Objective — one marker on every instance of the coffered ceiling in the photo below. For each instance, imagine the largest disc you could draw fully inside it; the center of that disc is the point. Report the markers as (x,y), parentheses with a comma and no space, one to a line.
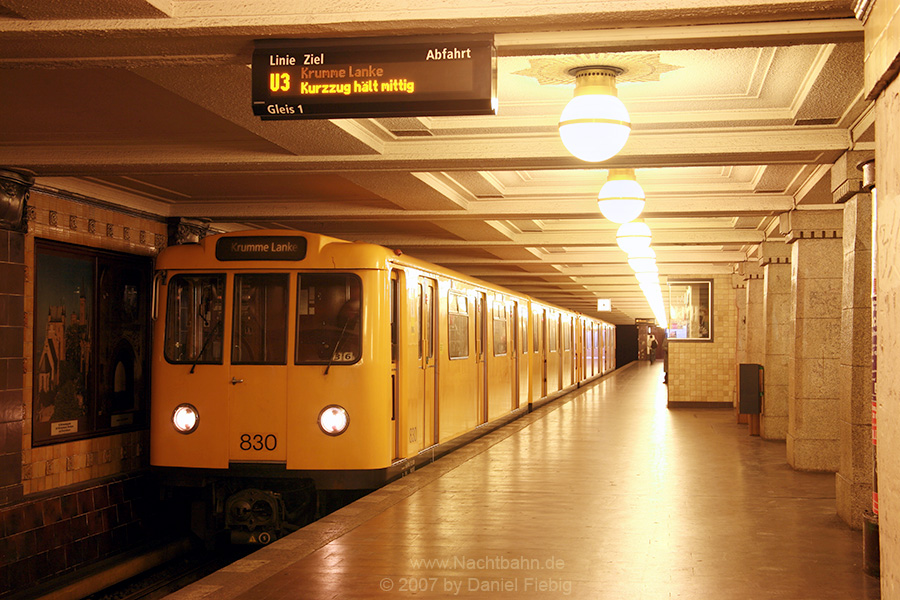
(739,110)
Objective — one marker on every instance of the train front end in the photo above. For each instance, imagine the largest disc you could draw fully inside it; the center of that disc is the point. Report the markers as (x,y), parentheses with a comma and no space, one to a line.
(271,377)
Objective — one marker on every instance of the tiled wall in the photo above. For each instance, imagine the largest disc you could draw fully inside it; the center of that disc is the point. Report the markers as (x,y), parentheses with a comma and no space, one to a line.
(12,332)
(65,504)
(49,467)
(52,535)
(706,371)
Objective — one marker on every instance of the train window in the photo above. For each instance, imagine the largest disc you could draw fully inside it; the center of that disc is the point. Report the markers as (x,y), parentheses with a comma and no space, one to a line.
(479,326)
(458,318)
(395,299)
(552,333)
(500,329)
(194,319)
(419,313)
(328,319)
(523,331)
(536,329)
(259,331)
(428,320)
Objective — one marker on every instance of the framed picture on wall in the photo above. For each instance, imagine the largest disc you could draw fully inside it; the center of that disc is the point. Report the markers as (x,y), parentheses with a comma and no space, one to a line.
(91,342)
(690,310)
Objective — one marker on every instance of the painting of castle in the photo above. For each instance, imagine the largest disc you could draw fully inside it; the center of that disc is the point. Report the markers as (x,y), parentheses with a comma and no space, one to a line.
(63,344)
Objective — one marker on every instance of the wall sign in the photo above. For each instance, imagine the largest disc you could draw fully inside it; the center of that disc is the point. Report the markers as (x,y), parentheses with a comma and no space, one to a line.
(376,77)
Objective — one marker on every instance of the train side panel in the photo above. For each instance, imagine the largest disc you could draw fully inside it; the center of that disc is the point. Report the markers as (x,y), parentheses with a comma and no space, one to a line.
(458,396)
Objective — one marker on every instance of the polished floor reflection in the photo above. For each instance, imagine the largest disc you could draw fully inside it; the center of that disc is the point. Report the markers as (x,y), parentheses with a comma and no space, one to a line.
(604,494)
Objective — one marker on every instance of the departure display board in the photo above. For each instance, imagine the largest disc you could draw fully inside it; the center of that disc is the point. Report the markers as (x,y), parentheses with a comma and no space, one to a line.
(384,77)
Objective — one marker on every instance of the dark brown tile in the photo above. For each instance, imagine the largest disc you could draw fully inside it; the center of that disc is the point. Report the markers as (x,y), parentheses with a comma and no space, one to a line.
(79,527)
(14,310)
(95,522)
(52,509)
(56,560)
(12,278)
(11,437)
(16,247)
(25,544)
(11,406)
(15,373)
(101,497)
(10,469)
(12,340)
(68,506)
(85,501)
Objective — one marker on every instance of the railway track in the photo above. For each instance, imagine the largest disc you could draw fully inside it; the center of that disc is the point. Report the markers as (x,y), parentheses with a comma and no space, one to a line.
(172,575)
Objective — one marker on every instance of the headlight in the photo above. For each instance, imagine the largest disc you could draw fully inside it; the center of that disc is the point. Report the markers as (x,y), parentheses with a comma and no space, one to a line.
(185,418)
(334,420)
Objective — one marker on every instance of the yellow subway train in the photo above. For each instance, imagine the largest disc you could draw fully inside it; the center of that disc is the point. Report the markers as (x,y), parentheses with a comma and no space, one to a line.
(287,363)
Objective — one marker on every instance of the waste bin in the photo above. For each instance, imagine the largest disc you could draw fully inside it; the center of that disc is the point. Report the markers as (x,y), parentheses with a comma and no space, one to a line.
(750,393)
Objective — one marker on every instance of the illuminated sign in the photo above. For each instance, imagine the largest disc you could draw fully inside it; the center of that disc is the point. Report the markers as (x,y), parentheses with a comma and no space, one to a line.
(388,77)
(256,247)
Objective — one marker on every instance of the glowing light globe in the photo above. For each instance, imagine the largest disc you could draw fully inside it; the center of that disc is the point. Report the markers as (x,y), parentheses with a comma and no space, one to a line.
(633,236)
(621,199)
(595,124)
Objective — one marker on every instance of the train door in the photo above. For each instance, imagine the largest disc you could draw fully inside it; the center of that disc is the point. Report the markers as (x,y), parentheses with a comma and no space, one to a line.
(395,364)
(258,391)
(522,356)
(513,328)
(427,345)
(480,359)
(537,379)
(545,355)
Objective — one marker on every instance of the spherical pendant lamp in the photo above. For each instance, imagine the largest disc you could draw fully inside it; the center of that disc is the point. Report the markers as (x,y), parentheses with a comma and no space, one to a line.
(621,199)
(595,124)
(643,261)
(633,236)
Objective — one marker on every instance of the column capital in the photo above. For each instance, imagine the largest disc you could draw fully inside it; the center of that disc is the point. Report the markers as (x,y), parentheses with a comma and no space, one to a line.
(15,187)
(749,270)
(812,224)
(775,252)
(846,177)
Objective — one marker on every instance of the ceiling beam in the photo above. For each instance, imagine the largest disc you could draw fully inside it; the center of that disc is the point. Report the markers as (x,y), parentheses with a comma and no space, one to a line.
(741,205)
(671,237)
(728,35)
(750,146)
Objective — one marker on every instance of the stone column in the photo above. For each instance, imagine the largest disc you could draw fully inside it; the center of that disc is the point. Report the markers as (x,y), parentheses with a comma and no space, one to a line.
(882,84)
(755,348)
(853,482)
(775,259)
(813,383)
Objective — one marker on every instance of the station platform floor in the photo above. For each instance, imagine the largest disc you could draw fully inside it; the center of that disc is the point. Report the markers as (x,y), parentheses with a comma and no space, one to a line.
(602,494)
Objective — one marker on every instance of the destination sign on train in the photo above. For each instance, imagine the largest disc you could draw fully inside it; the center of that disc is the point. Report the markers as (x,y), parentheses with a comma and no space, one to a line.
(282,247)
(384,77)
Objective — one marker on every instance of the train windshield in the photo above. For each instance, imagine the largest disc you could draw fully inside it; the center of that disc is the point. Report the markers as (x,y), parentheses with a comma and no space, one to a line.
(328,318)
(260,319)
(194,325)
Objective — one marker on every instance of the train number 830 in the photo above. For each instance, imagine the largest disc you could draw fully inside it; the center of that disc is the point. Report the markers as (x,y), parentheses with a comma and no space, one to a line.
(258,441)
